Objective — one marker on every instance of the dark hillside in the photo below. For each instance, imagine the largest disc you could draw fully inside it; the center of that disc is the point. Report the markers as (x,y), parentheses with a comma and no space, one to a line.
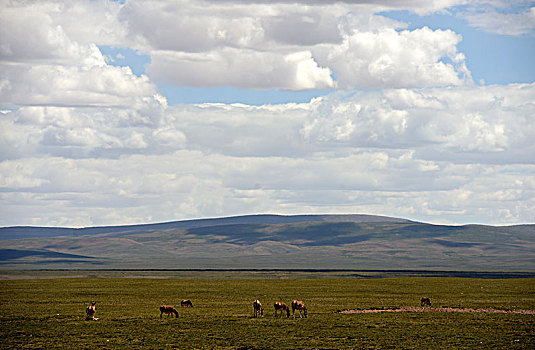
(33,232)
(271,241)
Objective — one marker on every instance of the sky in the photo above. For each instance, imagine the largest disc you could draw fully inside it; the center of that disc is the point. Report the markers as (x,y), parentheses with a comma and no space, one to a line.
(126,112)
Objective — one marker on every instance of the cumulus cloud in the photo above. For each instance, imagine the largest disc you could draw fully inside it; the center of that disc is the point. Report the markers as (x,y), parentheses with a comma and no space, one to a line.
(85,20)
(41,65)
(205,43)
(188,184)
(243,69)
(389,58)
(457,122)
(434,154)
(96,85)
(81,132)
(290,46)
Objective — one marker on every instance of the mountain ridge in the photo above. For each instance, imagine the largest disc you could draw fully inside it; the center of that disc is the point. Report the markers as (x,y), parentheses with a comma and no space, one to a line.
(274,241)
(253,218)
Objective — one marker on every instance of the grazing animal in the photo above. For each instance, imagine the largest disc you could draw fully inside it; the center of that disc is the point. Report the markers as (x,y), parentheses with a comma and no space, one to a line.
(186,303)
(281,307)
(258,309)
(300,306)
(90,313)
(168,309)
(425,301)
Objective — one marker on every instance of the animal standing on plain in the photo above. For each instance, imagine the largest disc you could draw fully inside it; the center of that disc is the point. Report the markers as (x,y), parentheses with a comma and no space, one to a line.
(425,301)
(168,309)
(90,313)
(186,303)
(279,306)
(258,310)
(300,306)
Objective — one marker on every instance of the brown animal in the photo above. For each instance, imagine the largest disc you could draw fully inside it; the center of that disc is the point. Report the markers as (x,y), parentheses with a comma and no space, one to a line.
(300,306)
(168,309)
(279,306)
(186,303)
(90,313)
(425,301)
(257,309)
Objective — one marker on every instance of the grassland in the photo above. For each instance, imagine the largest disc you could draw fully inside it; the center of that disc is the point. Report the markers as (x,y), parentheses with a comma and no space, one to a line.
(49,313)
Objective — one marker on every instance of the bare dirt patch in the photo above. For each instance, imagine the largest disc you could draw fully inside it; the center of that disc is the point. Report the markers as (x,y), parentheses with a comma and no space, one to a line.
(437,309)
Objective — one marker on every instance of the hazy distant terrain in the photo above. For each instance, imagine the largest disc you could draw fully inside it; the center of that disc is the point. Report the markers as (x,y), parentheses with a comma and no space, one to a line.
(272,241)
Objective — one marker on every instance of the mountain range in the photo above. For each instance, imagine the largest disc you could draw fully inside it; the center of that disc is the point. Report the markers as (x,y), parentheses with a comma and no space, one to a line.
(273,241)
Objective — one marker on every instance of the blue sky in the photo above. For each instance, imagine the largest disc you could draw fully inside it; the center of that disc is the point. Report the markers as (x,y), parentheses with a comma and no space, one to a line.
(143,111)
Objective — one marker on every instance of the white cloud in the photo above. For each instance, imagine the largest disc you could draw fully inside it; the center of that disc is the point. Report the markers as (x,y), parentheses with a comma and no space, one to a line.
(41,65)
(57,29)
(55,21)
(459,121)
(190,184)
(430,154)
(74,85)
(290,46)
(493,21)
(99,145)
(79,132)
(388,58)
(418,6)
(204,43)
(240,68)
(191,26)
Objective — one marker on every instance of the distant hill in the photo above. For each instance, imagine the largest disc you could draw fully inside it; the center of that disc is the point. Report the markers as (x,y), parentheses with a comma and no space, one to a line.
(273,241)
(16,232)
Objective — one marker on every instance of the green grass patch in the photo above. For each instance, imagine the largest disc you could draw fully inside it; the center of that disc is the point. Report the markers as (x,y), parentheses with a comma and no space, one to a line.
(49,313)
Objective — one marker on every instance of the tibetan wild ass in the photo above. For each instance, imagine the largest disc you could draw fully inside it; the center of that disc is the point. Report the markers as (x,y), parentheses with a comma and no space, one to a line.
(258,310)
(299,305)
(186,303)
(90,313)
(425,301)
(281,307)
(168,309)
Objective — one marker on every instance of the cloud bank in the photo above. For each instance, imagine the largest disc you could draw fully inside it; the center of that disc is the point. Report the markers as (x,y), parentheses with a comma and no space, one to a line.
(427,153)
(404,131)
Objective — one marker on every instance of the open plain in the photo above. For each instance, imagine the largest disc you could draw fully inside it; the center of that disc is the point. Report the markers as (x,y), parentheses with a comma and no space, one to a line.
(50,312)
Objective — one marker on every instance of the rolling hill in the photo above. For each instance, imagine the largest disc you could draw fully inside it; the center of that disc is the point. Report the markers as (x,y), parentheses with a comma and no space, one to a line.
(273,241)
